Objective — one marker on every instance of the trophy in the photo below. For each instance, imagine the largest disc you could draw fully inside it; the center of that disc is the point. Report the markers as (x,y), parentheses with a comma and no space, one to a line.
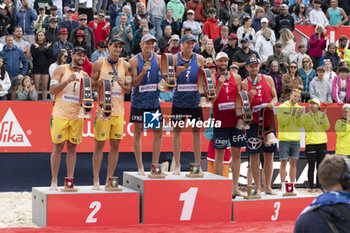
(168,71)
(243,110)
(289,190)
(252,192)
(86,100)
(195,170)
(205,87)
(113,184)
(105,100)
(156,171)
(69,185)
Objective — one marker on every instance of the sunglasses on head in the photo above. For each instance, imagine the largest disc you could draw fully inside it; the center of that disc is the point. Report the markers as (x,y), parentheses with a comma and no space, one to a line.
(297,90)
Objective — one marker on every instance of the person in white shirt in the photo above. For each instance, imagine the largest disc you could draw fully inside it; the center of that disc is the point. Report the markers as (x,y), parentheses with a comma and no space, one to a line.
(5,82)
(246,31)
(264,24)
(329,74)
(299,56)
(317,16)
(264,46)
(288,44)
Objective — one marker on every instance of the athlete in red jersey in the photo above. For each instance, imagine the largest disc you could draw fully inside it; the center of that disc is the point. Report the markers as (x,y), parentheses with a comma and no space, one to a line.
(227,86)
(262,94)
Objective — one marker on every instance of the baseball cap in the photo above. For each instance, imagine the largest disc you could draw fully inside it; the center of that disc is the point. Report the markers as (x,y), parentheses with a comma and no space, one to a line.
(278,43)
(148,37)
(232,36)
(41,8)
(175,37)
(245,40)
(314,100)
(102,44)
(116,40)
(252,60)
(239,1)
(80,33)
(234,66)
(63,31)
(78,49)
(190,12)
(264,20)
(53,19)
(221,55)
(211,65)
(284,6)
(187,28)
(278,2)
(70,9)
(53,8)
(188,37)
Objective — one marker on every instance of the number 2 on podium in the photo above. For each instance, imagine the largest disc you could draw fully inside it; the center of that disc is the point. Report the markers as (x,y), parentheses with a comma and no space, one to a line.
(96,206)
(189,199)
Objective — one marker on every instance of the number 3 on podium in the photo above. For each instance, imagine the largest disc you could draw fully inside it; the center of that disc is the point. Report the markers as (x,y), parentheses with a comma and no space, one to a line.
(189,199)
(277,205)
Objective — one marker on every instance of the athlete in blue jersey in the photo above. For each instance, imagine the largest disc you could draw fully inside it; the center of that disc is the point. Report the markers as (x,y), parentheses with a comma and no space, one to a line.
(145,96)
(186,97)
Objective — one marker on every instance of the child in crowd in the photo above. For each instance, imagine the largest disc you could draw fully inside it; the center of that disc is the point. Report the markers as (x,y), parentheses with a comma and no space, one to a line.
(341,86)
(26,90)
(329,74)
(302,53)
(331,55)
(317,16)
(320,88)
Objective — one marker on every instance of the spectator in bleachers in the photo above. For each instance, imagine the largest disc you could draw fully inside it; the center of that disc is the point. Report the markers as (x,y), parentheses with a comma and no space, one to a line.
(158,10)
(208,4)
(100,52)
(208,52)
(307,74)
(283,20)
(136,48)
(320,88)
(222,41)
(317,16)
(45,4)
(113,11)
(101,5)
(26,90)
(212,26)
(169,20)
(231,47)
(143,14)
(79,39)
(276,75)
(126,9)
(16,63)
(343,52)
(10,12)
(264,46)
(288,44)
(66,5)
(278,56)
(331,55)
(5,22)
(18,4)
(203,39)
(276,9)
(174,46)
(100,27)
(317,42)
(5,82)
(341,64)
(226,12)
(57,4)
(310,8)
(268,13)
(341,86)
(68,22)
(336,15)
(293,4)
(240,11)
(38,24)
(51,32)
(264,25)
(256,23)
(235,25)
(250,7)
(25,18)
(164,41)
(247,32)
(299,56)
(139,32)
(178,9)
(300,16)
(87,7)
(198,8)
(329,74)
(54,14)
(290,81)
(89,33)
(192,24)
(61,59)
(41,53)
(62,43)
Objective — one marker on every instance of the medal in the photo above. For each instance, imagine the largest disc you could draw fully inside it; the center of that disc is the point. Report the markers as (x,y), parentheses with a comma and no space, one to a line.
(186,65)
(253,88)
(148,63)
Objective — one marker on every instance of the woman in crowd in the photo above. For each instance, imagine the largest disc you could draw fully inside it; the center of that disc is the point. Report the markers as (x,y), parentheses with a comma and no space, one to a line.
(290,81)
(288,44)
(61,59)
(246,31)
(317,42)
(264,46)
(26,90)
(331,55)
(300,16)
(307,74)
(276,75)
(341,64)
(341,86)
(264,26)
(41,54)
(329,74)
(5,82)
(209,52)
(235,25)
(80,40)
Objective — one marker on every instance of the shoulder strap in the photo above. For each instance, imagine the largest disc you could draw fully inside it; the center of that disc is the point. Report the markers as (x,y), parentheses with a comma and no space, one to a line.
(331,225)
(345,224)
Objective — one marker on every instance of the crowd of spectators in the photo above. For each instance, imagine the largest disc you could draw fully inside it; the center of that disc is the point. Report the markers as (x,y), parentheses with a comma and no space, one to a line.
(38,35)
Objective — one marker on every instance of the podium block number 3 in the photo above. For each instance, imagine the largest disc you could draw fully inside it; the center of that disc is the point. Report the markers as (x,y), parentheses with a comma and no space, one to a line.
(189,198)
(96,206)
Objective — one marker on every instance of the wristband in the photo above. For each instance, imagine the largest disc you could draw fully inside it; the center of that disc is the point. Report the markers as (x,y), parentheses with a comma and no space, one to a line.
(54,82)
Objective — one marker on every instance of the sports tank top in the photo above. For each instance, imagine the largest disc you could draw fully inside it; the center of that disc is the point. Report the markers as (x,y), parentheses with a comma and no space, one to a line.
(335,17)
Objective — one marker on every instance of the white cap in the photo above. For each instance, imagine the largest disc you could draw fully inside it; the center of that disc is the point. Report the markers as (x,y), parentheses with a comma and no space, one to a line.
(190,12)
(174,37)
(346,106)
(221,55)
(284,6)
(264,20)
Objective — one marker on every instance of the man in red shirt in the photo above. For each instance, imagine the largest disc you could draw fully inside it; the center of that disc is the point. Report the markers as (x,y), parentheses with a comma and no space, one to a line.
(227,87)
(100,27)
(212,27)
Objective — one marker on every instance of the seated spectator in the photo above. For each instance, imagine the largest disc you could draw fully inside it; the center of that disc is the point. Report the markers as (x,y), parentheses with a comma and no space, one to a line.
(341,86)
(299,56)
(276,75)
(240,13)
(193,25)
(320,88)
(300,16)
(54,12)
(226,12)
(100,28)
(331,55)
(251,7)
(209,52)
(343,52)
(276,9)
(318,43)
(235,25)
(25,18)
(329,74)
(212,26)
(38,24)
(169,20)
(62,43)
(231,48)
(26,90)
(198,8)
(52,31)
(256,23)
(5,82)
(127,11)
(307,74)
(288,44)
(61,59)
(41,52)
(157,8)
(222,41)
(291,81)
(336,15)
(278,56)
(164,41)
(68,22)
(247,32)
(143,14)
(264,25)
(317,16)
(174,46)
(264,46)
(100,52)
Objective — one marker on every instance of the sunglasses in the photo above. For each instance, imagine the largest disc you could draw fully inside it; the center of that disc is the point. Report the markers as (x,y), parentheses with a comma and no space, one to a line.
(82,19)
(293,67)
(65,56)
(102,16)
(305,61)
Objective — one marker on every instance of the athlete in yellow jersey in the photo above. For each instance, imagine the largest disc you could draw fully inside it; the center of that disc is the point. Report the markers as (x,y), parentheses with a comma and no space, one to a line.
(118,71)
(65,124)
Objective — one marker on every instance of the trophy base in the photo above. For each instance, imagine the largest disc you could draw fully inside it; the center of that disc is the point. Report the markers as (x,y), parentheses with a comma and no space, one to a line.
(65,189)
(289,194)
(154,176)
(113,189)
(252,197)
(193,175)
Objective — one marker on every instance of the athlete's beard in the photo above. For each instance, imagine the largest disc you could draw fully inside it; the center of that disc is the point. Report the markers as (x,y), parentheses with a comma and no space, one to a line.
(222,70)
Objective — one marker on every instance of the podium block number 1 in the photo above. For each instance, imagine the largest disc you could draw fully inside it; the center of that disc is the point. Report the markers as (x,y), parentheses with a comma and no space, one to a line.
(96,206)
(189,199)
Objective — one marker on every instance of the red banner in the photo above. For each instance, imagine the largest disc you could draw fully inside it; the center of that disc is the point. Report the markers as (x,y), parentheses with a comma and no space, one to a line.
(25,127)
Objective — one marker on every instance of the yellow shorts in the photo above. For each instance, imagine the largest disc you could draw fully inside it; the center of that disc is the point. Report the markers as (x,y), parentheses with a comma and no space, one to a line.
(211,168)
(66,130)
(109,129)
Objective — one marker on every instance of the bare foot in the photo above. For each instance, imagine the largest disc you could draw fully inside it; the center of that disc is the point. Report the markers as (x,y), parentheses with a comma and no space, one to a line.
(269,191)
(311,190)
(53,187)
(96,186)
(177,171)
(237,193)
(141,172)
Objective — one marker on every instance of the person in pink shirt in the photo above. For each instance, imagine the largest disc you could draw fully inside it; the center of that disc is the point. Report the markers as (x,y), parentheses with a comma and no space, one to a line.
(318,42)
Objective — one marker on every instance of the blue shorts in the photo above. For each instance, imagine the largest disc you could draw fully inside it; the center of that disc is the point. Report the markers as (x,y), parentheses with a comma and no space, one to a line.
(255,144)
(289,149)
(222,136)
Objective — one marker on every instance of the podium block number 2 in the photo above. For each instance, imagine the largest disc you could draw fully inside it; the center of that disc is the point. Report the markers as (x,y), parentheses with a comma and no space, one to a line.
(189,199)
(96,206)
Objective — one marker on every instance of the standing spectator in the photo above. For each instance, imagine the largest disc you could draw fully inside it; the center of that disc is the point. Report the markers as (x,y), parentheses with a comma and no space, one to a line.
(212,26)
(222,41)
(336,15)
(299,56)
(341,64)
(203,39)
(126,9)
(343,52)
(276,9)
(41,53)
(318,43)
(264,47)
(307,74)
(235,25)
(288,44)
(26,90)
(282,59)
(240,12)
(61,59)
(209,52)
(143,14)
(259,14)
(342,128)
(317,16)
(89,33)
(164,41)
(62,43)
(68,22)
(226,12)
(100,52)
(87,7)
(169,20)
(113,11)
(231,48)
(341,86)
(178,9)
(21,43)
(79,39)
(283,20)
(51,33)
(331,55)
(43,4)
(329,74)
(193,25)
(25,18)
(320,88)
(268,13)
(5,82)
(38,25)
(5,22)
(292,5)
(158,10)
(9,10)
(291,81)
(174,46)
(136,48)
(54,14)
(247,32)
(276,75)
(198,8)
(124,32)
(100,27)
(16,63)
(207,5)
(264,25)
(57,4)
(250,7)
(300,16)
(101,5)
